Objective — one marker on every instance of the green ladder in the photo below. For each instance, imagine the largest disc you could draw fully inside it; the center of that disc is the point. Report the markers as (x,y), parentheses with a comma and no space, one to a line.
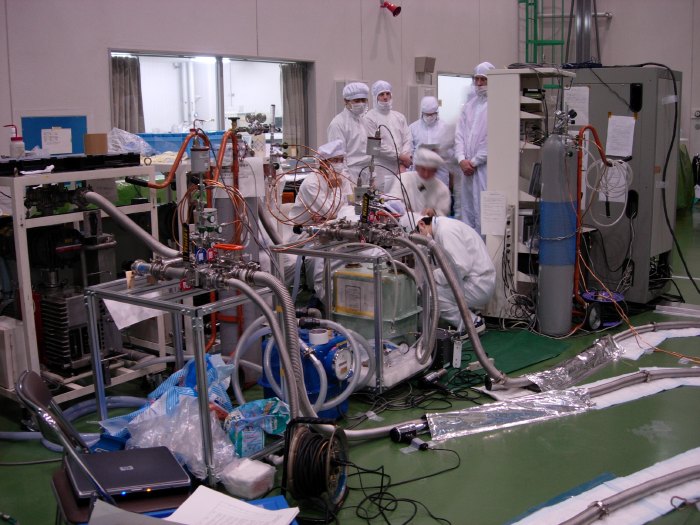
(543,31)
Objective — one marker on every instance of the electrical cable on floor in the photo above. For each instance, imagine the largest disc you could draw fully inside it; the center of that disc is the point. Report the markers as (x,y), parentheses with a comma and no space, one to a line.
(8,519)
(626,319)
(28,463)
(315,467)
(380,503)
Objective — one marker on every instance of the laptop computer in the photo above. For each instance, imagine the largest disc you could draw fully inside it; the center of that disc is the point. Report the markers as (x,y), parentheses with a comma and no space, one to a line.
(129,472)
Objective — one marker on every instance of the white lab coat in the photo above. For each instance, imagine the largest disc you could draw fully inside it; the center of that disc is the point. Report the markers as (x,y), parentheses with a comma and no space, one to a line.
(470,144)
(470,261)
(387,164)
(316,198)
(440,135)
(421,194)
(352,130)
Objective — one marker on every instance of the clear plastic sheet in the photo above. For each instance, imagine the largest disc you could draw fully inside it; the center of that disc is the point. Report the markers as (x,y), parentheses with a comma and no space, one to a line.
(121,141)
(181,432)
(603,351)
(494,416)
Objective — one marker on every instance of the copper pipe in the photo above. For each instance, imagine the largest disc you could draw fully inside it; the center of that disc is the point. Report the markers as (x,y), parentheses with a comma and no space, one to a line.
(579,176)
(176,164)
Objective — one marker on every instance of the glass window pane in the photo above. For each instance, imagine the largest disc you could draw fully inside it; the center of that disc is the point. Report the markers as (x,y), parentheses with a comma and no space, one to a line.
(177,90)
(252,87)
(452,92)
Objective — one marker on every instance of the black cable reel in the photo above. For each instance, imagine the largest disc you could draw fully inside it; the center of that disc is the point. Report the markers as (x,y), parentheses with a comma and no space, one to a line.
(315,466)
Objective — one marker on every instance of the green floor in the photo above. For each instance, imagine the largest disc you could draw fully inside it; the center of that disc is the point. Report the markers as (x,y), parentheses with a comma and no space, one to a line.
(502,473)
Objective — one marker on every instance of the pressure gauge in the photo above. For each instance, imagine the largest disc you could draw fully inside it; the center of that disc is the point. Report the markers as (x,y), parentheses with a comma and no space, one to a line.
(341,363)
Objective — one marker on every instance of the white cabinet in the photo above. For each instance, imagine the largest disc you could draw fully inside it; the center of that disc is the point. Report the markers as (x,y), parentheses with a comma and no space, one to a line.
(520,112)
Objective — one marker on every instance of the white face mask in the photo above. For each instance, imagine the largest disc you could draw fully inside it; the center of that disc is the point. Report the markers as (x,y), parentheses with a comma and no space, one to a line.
(482,91)
(358,108)
(384,106)
(338,167)
(430,119)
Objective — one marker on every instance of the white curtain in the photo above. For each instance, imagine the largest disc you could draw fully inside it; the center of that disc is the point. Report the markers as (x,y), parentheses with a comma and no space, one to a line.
(294,103)
(127,102)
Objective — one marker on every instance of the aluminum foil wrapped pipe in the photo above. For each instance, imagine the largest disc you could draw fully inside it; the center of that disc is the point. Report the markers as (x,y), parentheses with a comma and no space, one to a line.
(130,226)
(507,414)
(539,407)
(496,376)
(573,370)
(617,501)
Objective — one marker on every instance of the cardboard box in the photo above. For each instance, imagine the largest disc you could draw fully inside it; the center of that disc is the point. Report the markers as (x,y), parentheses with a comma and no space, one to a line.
(95,143)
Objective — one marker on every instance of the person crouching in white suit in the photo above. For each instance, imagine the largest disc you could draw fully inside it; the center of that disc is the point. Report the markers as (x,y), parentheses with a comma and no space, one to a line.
(471,262)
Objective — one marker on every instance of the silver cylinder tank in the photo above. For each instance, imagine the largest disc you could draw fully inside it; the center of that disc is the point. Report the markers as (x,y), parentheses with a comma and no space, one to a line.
(557,226)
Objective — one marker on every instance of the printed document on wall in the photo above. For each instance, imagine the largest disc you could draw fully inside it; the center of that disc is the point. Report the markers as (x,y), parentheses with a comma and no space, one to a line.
(493,213)
(577,98)
(620,136)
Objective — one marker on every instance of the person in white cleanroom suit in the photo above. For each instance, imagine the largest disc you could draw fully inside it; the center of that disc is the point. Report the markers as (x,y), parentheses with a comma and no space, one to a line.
(431,132)
(470,148)
(323,194)
(420,190)
(468,257)
(349,126)
(397,143)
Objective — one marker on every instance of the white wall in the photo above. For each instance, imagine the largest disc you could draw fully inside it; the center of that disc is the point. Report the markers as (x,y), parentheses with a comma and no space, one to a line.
(58,49)
(654,31)
(5,109)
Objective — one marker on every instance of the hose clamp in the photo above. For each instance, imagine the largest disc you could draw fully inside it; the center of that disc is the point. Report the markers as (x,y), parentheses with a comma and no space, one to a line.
(602,507)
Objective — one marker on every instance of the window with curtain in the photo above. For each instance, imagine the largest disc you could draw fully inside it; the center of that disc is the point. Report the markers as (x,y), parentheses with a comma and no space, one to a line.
(127,99)
(171,91)
(294,100)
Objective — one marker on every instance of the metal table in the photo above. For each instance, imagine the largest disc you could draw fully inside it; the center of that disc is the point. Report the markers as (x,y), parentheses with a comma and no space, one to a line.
(331,251)
(166,296)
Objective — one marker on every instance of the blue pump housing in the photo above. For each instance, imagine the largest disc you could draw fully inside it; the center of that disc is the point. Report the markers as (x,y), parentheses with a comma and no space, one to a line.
(326,353)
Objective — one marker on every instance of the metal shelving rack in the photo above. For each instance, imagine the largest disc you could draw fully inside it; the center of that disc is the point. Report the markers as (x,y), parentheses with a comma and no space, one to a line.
(510,164)
(16,187)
